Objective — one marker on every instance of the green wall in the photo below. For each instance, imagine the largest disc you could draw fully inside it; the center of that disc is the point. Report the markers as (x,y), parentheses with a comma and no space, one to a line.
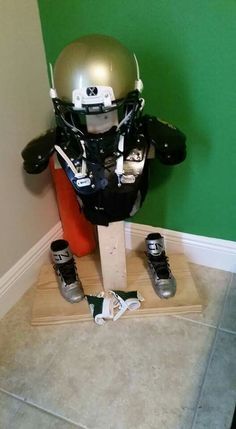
(187,56)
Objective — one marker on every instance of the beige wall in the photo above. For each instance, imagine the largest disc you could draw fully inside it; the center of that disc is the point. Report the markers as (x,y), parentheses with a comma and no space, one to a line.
(28,207)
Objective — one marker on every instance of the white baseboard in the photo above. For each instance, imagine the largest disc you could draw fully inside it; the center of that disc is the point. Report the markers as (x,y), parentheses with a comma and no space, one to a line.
(211,252)
(16,281)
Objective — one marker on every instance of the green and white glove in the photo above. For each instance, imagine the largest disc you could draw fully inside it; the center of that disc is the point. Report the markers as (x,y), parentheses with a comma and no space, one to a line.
(126,301)
(110,305)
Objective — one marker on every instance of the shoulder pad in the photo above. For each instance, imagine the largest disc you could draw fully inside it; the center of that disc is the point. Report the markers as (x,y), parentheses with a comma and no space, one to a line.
(37,152)
(169,141)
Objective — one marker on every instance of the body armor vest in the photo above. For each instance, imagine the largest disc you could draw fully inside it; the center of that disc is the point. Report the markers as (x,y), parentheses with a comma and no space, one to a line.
(109,172)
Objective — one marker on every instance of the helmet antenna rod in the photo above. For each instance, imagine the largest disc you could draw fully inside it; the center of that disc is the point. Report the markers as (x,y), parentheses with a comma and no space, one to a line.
(138,83)
(53,92)
(51,76)
(137,67)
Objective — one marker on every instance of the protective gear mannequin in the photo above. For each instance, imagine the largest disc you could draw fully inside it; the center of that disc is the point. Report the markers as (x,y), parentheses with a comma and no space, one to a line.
(102,139)
(96,96)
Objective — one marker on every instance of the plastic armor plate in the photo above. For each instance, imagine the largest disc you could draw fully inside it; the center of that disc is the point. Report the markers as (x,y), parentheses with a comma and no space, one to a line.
(38,151)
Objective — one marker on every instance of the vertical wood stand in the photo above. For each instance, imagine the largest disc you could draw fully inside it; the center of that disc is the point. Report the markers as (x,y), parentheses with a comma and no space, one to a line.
(112,255)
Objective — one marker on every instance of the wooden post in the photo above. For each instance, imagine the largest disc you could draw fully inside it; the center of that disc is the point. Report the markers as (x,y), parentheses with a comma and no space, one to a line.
(112,251)
(112,255)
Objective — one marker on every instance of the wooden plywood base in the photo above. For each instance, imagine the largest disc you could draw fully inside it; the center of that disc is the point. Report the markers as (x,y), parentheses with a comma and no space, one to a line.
(50,308)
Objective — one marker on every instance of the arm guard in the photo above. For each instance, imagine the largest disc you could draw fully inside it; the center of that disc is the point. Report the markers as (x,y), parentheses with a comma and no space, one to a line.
(169,141)
(37,152)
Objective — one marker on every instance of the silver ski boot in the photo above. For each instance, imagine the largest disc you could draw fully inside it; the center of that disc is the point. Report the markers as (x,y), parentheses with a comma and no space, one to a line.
(64,265)
(163,280)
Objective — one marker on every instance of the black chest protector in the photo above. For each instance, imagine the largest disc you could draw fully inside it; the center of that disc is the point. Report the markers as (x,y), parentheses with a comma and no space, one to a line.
(109,172)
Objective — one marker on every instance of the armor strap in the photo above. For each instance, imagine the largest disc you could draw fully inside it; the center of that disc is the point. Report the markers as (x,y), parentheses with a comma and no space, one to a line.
(120,160)
(126,168)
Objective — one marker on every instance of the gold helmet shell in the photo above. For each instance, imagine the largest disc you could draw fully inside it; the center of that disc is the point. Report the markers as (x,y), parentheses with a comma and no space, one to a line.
(95,61)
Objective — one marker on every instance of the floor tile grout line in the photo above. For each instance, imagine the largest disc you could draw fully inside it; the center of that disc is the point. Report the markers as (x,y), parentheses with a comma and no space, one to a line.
(13,415)
(227,331)
(209,360)
(38,407)
(228,292)
(208,325)
(197,322)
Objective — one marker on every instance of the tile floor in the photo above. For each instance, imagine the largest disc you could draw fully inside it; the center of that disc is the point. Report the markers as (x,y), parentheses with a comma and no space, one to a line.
(175,372)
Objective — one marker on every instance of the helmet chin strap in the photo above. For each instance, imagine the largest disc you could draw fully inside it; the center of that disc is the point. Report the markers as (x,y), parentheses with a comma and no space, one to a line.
(103,122)
(124,120)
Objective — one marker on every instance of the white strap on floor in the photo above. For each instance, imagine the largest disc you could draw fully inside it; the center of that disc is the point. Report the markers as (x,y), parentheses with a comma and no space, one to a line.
(112,301)
(129,304)
(107,311)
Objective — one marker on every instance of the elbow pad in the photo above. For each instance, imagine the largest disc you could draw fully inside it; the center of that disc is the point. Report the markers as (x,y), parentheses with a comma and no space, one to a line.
(37,152)
(169,141)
